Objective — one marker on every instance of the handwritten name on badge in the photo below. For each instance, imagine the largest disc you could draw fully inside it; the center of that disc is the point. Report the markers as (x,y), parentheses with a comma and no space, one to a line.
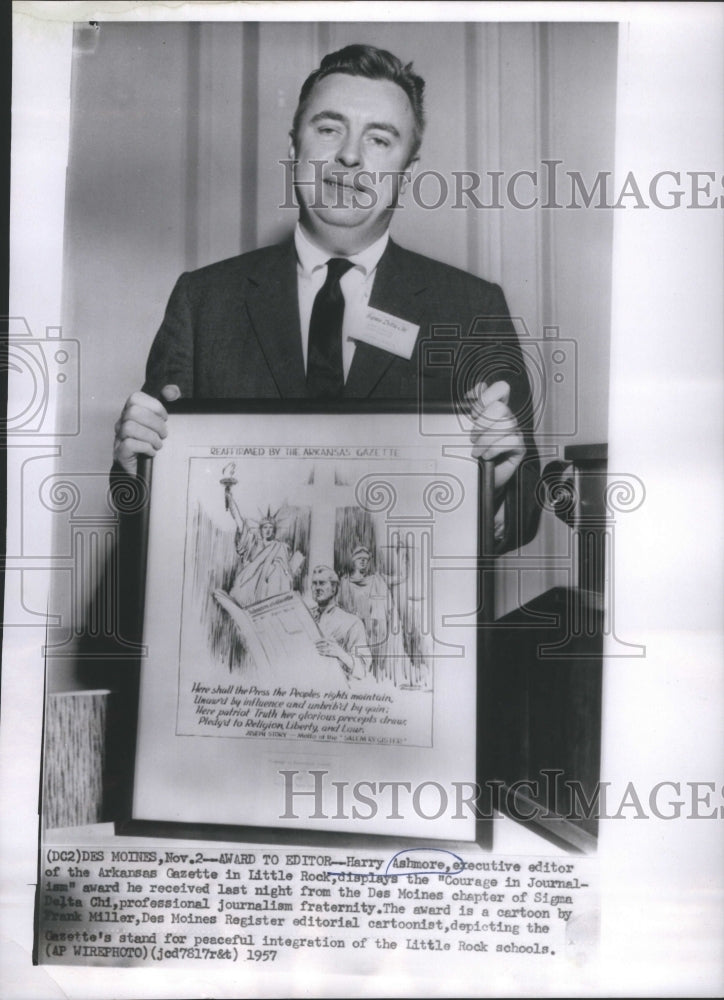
(388,332)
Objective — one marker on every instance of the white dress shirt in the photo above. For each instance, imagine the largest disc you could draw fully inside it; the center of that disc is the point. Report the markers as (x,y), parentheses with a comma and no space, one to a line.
(356,286)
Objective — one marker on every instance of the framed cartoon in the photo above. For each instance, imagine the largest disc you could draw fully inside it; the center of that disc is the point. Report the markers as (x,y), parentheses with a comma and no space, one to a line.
(313,600)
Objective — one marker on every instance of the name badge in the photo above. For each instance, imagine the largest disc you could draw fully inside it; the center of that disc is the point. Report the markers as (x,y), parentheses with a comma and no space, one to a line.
(388,332)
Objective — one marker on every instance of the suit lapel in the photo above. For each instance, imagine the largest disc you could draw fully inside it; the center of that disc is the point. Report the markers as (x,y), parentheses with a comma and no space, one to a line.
(273,308)
(272,304)
(396,290)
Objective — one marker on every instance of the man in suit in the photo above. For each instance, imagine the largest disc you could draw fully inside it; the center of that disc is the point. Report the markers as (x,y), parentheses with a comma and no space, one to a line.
(340,311)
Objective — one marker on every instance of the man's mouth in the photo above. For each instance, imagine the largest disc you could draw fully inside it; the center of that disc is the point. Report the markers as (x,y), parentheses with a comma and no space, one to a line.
(345,185)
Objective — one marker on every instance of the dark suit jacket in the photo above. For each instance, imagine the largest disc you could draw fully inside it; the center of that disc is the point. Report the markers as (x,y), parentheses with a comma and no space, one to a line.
(232,330)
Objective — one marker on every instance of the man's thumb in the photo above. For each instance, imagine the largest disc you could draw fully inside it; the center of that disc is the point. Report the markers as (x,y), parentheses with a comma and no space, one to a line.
(171,393)
(498,392)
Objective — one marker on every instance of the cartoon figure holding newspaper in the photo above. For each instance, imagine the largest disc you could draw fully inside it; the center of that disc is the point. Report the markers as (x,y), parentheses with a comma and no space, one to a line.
(343,634)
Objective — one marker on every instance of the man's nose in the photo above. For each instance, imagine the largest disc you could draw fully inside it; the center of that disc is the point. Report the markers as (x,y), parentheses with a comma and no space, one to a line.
(349,153)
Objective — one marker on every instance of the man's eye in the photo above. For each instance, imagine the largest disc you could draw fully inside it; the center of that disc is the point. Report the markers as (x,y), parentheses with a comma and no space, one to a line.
(327,130)
(379,140)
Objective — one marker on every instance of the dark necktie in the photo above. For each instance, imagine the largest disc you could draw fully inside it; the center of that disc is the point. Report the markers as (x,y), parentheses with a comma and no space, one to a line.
(325,373)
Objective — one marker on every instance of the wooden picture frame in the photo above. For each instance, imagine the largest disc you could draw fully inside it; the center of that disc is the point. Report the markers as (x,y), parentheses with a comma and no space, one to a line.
(263,712)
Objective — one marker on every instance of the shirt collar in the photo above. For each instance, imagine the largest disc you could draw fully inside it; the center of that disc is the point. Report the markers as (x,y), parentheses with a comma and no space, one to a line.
(311,257)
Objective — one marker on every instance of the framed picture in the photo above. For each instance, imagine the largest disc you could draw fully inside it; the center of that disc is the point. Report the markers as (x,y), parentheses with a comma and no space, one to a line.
(314,590)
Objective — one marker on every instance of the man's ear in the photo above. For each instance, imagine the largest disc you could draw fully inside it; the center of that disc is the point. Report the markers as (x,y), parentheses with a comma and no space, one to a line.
(292,147)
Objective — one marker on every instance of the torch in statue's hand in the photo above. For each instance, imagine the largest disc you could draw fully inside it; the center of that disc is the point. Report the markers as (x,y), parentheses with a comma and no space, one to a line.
(227,481)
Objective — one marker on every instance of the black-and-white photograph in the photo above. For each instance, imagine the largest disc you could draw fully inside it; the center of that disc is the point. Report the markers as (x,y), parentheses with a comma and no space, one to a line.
(352,142)
(346,403)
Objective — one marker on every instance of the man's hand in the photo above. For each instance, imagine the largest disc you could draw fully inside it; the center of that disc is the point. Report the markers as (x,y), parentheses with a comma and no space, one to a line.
(496,435)
(141,428)
(328,647)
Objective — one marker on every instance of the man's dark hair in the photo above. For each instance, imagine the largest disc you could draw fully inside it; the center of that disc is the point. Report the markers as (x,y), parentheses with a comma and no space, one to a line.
(375,64)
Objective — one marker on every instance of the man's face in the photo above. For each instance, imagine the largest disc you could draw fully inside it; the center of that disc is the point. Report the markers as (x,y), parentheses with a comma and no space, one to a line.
(363,132)
(361,561)
(323,587)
